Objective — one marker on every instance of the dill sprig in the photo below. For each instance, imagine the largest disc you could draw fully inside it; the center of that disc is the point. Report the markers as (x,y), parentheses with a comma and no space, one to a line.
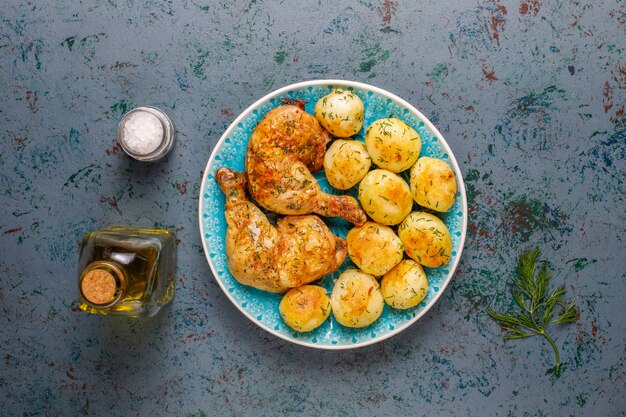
(536,304)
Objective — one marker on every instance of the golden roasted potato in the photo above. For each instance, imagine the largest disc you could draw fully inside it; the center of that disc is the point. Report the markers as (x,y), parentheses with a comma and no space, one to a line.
(340,112)
(385,197)
(405,286)
(305,308)
(433,184)
(374,248)
(426,239)
(345,163)
(356,299)
(392,144)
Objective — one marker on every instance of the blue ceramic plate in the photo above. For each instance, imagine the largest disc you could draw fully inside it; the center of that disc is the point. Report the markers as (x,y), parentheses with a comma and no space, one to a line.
(262,307)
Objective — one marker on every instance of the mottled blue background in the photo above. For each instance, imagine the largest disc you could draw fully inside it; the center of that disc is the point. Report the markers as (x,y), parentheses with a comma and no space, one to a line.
(529,94)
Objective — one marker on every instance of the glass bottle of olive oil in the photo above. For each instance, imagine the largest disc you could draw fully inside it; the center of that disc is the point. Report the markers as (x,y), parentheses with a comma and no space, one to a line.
(126,271)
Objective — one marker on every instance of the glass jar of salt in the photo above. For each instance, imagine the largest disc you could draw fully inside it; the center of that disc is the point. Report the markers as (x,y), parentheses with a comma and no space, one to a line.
(146,133)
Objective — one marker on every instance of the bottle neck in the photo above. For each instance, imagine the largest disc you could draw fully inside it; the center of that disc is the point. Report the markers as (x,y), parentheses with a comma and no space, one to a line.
(102,283)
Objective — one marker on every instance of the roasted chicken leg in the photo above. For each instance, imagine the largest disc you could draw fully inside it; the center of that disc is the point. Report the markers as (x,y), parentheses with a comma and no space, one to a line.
(285,147)
(297,251)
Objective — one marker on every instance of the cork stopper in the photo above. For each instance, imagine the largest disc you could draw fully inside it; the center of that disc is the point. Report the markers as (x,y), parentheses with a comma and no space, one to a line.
(102,283)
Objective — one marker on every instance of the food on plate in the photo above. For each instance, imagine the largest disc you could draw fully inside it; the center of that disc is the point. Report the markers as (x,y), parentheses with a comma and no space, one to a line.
(340,112)
(385,197)
(356,299)
(346,162)
(433,184)
(405,286)
(392,144)
(426,239)
(374,248)
(284,148)
(289,254)
(297,251)
(305,308)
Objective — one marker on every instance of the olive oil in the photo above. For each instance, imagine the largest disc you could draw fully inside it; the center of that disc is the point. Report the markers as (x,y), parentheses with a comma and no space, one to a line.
(126,271)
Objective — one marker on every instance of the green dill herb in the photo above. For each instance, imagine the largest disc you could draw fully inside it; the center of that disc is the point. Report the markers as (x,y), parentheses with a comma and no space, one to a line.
(536,305)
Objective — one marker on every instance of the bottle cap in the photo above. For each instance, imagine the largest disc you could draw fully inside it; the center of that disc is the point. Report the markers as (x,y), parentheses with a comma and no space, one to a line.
(102,283)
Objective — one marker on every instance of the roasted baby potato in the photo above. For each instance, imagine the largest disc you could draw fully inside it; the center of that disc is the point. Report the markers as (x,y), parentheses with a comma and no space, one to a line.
(405,286)
(426,239)
(385,197)
(340,112)
(374,248)
(305,308)
(392,144)
(346,162)
(356,299)
(433,184)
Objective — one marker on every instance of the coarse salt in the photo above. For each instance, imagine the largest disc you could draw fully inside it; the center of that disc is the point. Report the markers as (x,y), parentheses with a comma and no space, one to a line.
(143,133)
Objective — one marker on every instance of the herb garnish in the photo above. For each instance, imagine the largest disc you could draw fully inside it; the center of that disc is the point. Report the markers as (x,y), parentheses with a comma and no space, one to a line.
(537,306)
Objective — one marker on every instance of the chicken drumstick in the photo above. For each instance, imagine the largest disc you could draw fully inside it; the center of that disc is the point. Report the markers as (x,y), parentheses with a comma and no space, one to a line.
(285,147)
(299,250)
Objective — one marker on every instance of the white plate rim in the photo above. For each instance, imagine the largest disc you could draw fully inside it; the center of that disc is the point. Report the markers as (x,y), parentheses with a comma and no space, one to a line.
(387,94)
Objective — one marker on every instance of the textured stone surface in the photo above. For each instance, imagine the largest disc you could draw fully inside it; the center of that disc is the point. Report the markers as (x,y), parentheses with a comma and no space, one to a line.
(529,94)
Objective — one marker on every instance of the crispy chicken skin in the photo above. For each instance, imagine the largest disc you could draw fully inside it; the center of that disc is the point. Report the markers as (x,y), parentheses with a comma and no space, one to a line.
(285,147)
(297,251)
